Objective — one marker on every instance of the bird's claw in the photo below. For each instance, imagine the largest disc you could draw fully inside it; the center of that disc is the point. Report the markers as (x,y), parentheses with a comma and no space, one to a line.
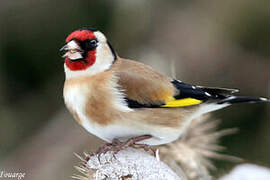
(117,146)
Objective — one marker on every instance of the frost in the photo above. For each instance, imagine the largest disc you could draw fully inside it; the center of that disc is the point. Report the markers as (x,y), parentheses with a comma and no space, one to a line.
(129,164)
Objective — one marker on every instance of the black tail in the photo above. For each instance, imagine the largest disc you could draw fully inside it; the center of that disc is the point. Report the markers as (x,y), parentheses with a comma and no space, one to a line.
(213,94)
(224,95)
(242,99)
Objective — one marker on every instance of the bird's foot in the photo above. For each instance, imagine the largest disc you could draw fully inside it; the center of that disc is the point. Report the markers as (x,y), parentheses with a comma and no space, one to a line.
(132,142)
(108,147)
(117,145)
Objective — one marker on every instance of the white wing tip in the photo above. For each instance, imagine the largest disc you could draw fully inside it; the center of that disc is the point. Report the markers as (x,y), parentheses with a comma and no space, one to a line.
(264,99)
(235,90)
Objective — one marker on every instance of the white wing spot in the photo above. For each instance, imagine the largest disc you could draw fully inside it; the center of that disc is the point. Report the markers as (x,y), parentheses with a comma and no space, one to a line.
(231,97)
(263,99)
(207,94)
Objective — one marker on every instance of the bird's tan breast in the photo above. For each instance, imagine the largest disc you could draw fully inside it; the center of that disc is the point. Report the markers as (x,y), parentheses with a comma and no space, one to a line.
(95,98)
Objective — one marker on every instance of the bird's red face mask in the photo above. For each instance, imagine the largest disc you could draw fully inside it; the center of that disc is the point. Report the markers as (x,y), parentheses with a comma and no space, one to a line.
(80,49)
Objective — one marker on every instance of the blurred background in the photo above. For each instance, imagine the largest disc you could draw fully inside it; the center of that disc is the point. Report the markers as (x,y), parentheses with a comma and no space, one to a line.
(213,43)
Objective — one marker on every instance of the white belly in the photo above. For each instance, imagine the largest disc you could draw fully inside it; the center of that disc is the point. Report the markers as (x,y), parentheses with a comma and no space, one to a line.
(124,133)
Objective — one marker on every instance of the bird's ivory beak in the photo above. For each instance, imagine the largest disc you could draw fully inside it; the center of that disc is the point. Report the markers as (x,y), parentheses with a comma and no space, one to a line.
(63,48)
(74,51)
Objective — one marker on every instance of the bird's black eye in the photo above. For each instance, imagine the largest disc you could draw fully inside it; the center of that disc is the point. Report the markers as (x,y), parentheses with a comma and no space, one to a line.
(93,42)
(89,45)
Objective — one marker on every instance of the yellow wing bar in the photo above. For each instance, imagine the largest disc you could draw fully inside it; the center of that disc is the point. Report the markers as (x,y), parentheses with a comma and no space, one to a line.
(182,102)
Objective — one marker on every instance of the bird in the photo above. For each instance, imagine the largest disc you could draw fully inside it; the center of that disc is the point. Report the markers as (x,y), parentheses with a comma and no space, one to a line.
(115,98)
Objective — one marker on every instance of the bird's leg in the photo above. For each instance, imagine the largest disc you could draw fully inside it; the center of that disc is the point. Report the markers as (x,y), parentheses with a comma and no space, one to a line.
(116,142)
(117,145)
(132,142)
(105,148)
(108,146)
(146,147)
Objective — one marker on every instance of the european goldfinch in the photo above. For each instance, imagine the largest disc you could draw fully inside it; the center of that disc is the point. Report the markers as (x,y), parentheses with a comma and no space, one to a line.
(116,98)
